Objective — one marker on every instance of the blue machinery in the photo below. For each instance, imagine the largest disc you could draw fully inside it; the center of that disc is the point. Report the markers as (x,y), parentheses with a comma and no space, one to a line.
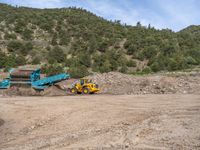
(31,77)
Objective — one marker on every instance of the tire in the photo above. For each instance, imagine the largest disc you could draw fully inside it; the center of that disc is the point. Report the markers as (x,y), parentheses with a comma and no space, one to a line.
(73,91)
(86,91)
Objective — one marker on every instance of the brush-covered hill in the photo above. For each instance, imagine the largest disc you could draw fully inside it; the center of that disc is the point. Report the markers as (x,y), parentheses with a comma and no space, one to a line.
(77,40)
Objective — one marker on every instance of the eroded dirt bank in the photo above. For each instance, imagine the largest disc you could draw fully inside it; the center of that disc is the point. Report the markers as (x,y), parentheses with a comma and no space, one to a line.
(100,121)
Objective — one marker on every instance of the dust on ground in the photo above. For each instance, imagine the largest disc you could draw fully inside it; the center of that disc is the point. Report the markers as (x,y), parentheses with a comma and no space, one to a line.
(100,122)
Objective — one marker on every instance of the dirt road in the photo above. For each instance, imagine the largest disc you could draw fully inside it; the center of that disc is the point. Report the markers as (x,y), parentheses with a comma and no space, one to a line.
(100,122)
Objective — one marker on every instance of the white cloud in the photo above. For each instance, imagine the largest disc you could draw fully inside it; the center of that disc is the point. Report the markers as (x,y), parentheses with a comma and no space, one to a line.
(174,14)
(39,3)
(113,11)
(180,13)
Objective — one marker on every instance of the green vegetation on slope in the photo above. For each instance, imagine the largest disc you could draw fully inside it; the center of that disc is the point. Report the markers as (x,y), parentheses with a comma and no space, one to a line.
(83,42)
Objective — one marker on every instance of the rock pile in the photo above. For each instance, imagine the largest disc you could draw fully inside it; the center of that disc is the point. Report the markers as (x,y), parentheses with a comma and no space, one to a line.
(118,83)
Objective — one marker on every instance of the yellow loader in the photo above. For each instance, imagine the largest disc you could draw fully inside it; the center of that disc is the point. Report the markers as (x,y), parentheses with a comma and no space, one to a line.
(84,86)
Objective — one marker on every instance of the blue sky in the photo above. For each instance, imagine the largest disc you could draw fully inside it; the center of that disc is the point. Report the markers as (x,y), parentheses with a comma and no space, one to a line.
(173,14)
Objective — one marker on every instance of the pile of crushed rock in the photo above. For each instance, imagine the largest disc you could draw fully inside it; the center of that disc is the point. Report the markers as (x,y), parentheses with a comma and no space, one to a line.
(118,83)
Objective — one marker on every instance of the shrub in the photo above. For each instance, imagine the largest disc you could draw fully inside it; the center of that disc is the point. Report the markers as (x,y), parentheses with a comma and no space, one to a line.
(106,67)
(3,59)
(28,47)
(131,63)
(64,39)
(123,69)
(15,46)
(114,64)
(147,70)
(150,52)
(156,67)
(10,62)
(169,49)
(195,53)
(172,65)
(85,59)
(54,40)
(8,36)
(131,49)
(78,71)
(176,63)
(36,60)
(27,34)
(191,61)
(56,55)
(103,46)
(20,60)
(52,69)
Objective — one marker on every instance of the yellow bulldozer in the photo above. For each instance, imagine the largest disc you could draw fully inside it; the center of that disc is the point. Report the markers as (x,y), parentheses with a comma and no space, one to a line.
(84,86)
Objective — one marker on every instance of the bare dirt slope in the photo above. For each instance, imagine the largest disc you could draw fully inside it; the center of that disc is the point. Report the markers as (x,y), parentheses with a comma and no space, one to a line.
(100,122)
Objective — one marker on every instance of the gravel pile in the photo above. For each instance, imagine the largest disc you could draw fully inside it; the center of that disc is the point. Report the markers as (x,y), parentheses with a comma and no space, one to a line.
(118,83)
(122,84)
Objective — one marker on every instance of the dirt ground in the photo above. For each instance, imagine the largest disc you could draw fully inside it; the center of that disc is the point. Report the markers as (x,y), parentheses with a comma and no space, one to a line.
(100,122)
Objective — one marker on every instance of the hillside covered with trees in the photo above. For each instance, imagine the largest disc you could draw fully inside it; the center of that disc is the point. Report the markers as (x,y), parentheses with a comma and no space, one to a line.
(82,42)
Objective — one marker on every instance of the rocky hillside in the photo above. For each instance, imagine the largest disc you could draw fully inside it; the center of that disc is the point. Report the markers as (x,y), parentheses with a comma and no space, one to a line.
(81,42)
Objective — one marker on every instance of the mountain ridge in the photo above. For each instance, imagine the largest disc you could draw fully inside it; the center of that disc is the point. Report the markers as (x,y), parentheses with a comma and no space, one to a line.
(83,42)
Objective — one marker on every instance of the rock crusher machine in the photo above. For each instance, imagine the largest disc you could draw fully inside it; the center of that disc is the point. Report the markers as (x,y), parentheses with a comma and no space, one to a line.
(32,78)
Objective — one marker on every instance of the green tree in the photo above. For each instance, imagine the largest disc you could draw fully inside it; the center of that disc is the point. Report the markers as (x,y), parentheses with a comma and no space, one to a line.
(85,59)
(64,38)
(150,52)
(106,67)
(139,25)
(56,55)
(147,70)
(36,60)
(28,47)
(156,67)
(191,61)
(54,40)
(15,46)
(131,63)
(20,60)
(50,70)
(131,49)
(3,59)
(78,71)
(124,69)
(8,36)
(27,34)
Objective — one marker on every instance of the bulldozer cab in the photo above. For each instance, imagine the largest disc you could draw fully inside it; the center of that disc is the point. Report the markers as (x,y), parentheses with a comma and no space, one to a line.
(85,81)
